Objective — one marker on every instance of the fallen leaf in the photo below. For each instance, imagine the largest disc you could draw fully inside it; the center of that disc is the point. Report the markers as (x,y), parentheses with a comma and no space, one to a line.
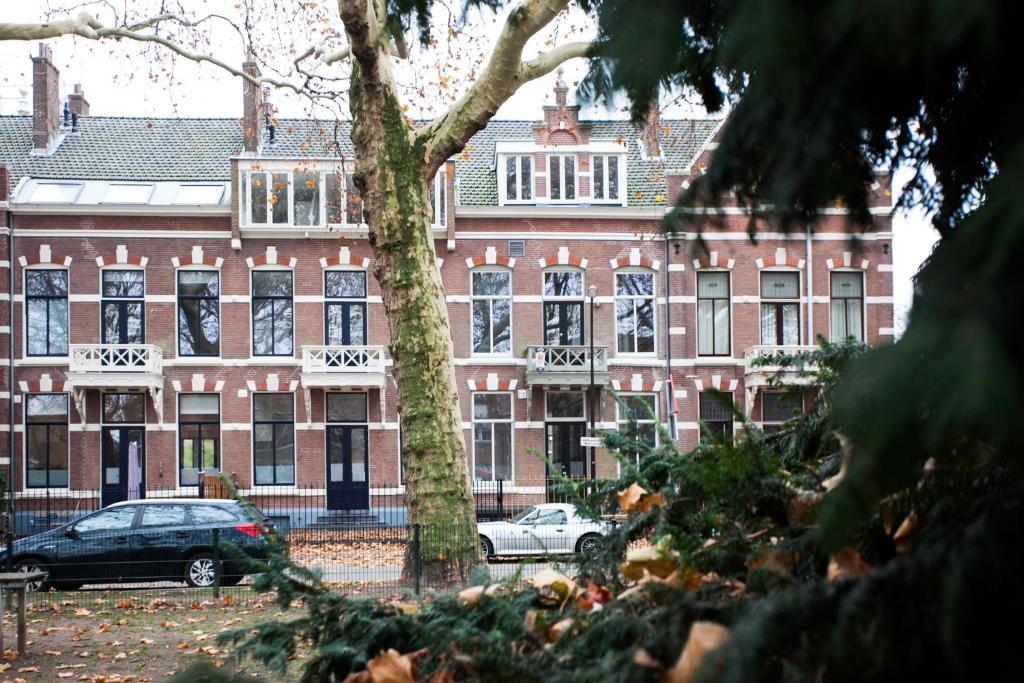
(554,584)
(704,637)
(558,629)
(847,564)
(654,559)
(392,667)
(473,594)
(629,496)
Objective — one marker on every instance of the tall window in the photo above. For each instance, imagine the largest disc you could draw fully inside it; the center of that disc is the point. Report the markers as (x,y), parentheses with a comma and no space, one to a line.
(198,313)
(847,306)
(343,204)
(605,177)
(713,314)
(198,436)
(518,178)
(46,440)
(563,307)
(492,436)
(643,410)
(268,198)
(634,312)
(780,308)
(123,307)
(715,413)
(273,437)
(46,312)
(492,311)
(272,313)
(306,195)
(561,177)
(439,198)
(345,307)
(779,406)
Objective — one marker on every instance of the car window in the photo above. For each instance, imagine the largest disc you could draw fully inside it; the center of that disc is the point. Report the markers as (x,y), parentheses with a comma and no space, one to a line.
(212,514)
(115,519)
(526,517)
(163,515)
(550,517)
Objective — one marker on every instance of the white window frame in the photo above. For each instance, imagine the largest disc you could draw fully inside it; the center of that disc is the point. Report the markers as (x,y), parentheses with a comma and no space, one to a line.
(24,444)
(731,396)
(177,435)
(439,199)
(653,297)
(792,300)
(39,358)
(620,177)
(581,298)
(491,421)
(547,414)
(621,420)
(252,328)
(501,177)
(473,298)
(245,196)
(561,177)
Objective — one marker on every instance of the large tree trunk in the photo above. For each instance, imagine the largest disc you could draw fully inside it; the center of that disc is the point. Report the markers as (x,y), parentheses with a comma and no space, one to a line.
(394,180)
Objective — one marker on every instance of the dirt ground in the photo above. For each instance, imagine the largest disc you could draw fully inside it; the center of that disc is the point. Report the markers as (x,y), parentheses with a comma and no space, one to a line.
(144,643)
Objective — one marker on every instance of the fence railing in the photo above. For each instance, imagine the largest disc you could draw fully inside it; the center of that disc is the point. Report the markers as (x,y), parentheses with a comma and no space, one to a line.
(115,358)
(565,358)
(769,351)
(340,359)
(309,508)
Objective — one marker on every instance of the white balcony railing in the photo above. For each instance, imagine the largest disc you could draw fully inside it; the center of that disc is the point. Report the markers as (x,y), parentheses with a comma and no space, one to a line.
(565,359)
(769,351)
(332,359)
(120,358)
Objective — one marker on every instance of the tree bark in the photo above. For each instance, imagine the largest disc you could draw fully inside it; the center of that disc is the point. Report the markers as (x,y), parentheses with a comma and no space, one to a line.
(394,180)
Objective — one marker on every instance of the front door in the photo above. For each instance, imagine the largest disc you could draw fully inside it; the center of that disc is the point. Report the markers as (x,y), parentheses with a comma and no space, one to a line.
(564,451)
(123,460)
(348,486)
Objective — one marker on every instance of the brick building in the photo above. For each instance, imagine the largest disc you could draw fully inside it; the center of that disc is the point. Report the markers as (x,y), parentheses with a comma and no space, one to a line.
(197,295)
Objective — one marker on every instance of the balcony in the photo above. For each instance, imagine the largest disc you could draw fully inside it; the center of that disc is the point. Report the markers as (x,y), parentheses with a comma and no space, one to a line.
(343,367)
(756,375)
(565,365)
(116,366)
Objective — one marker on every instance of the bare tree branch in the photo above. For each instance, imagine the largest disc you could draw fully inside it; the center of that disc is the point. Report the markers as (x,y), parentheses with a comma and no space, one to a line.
(503,75)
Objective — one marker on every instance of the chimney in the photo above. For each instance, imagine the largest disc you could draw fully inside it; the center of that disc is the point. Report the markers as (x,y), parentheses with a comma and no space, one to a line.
(5,179)
(77,103)
(252,110)
(45,105)
(650,139)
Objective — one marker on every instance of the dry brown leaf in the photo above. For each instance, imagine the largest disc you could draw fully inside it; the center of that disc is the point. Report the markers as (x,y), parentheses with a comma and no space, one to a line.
(473,594)
(656,560)
(392,667)
(558,629)
(800,504)
(907,531)
(553,584)
(643,658)
(704,637)
(651,501)
(629,496)
(847,564)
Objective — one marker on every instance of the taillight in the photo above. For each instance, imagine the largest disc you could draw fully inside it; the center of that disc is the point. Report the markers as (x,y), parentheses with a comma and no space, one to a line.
(248,529)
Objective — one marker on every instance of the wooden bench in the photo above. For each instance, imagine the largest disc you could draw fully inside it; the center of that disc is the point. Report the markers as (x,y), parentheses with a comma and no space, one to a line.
(17,582)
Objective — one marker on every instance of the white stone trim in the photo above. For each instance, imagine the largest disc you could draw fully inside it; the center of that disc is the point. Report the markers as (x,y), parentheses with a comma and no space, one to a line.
(45,256)
(847,262)
(714,262)
(196,259)
(272,259)
(345,259)
(274,383)
(562,259)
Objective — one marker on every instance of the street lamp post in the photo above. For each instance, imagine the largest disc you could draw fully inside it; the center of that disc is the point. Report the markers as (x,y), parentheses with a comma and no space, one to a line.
(592,291)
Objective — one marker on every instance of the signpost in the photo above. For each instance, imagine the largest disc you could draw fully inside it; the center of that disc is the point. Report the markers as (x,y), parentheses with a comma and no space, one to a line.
(590,442)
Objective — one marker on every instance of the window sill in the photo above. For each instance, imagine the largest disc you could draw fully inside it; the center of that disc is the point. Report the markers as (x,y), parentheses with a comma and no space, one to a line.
(43,360)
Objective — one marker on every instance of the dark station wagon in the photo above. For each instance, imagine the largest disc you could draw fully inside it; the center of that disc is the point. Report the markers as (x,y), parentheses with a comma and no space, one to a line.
(146,540)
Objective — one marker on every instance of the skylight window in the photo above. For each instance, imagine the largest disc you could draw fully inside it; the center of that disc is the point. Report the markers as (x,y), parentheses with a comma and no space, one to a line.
(128,194)
(199,194)
(55,193)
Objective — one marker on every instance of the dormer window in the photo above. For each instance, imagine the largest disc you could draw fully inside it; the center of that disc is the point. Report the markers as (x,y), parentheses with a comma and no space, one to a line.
(303,197)
(519,178)
(605,176)
(562,177)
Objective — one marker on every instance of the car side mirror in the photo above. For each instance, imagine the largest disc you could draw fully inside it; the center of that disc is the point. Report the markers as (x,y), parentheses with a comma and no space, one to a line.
(71,533)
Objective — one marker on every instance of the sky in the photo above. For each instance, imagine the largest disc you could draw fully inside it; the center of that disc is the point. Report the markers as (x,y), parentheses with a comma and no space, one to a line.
(118,80)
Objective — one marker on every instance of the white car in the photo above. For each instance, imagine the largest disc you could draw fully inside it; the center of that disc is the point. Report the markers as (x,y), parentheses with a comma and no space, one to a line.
(548,528)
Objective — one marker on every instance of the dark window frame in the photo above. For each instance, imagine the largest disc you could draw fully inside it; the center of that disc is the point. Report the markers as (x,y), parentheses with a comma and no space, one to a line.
(636,300)
(201,425)
(194,297)
(345,303)
(846,301)
(274,298)
(774,425)
(120,301)
(728,302)
(490,300)
(49,424)
(274,427)
(717,426)
(48,298)
(489,422)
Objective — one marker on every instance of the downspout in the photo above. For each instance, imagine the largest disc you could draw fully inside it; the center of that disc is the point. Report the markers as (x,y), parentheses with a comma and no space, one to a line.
(670,402)
(810,289)
(10,389)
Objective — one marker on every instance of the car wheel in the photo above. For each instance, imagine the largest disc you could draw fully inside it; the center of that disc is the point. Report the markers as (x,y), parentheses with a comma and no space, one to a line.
(28,566)
(589,544)
(199,571)
(486,549)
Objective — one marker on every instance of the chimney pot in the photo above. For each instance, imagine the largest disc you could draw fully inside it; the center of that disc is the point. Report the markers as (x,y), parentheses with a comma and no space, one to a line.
(45,99)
